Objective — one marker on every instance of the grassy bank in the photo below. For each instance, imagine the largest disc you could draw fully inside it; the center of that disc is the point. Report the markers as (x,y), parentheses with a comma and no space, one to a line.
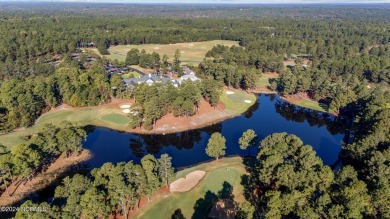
(107,116)
(235,103)
(310,105)
(192,53)
(263,86)
(132,74)
(227,170)
(111,116)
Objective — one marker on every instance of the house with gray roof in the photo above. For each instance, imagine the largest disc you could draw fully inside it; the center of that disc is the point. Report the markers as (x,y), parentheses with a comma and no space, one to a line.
(150,79)
(187,71)
(191,77)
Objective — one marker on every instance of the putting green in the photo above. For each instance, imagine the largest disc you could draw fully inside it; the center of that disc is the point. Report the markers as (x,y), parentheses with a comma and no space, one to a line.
(234,103)
(116,118)
(227,171)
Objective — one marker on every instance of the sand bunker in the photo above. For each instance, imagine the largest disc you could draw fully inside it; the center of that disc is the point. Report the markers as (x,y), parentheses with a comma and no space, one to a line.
(191,44)
(248,101)
(126,111)
(156,47)
(182,52)
(229,92)
(126,106)
(186,184)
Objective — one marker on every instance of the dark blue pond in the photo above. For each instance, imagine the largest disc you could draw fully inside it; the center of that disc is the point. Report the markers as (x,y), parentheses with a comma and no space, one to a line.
(270,114)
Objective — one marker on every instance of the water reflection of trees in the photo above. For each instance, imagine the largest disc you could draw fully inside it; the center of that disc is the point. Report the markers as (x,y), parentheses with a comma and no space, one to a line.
(181,140)
(136,147)
(299,114)
(249,113)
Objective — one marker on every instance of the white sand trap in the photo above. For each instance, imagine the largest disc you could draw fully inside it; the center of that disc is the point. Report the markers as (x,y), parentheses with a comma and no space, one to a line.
(191,44)
(126,111)
(156,47)
(182,52)
(126,106)
(229,92)
(186,184)
(248,101)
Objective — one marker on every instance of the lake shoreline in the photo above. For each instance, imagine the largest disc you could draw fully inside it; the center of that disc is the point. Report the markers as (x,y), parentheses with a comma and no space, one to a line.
(168,124)
(294,100)
(60,167)
(113,142)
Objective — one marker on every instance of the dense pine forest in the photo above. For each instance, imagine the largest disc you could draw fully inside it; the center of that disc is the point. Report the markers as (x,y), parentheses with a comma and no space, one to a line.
(341,53)
(341,59)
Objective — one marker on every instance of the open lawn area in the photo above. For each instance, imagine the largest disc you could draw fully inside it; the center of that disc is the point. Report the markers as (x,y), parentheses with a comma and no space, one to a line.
(227,170)
(116,118)
(111,116)
(131,74)
(192,53)
(292,62)
(309,104)
(264,82)
(108,116)
(235,102)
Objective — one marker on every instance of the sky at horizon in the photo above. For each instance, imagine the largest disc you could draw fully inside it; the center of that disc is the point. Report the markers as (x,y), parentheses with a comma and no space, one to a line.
(215,1)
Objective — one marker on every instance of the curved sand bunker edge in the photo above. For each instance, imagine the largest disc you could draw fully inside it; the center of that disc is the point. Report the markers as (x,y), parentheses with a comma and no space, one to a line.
(186,184)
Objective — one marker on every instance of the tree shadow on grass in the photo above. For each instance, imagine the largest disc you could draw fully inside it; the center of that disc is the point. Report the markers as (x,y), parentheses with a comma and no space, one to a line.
(249,182)
(226,192)
(203,206)
(177,214)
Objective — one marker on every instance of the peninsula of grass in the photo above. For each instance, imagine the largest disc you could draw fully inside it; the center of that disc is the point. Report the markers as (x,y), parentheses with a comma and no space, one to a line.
(310,105)
(225,170)
(235,103)
(192,53)
(112,117)
(264,87)
(107,116)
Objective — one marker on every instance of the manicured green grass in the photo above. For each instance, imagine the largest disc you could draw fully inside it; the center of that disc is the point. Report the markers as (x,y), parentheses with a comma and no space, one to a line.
(112,56)
(310,104)
(133,74)
(116,118)
(227,170)
(11,139)
(192,53)
(263,82)
(234,103)
(107,116)
(112,117)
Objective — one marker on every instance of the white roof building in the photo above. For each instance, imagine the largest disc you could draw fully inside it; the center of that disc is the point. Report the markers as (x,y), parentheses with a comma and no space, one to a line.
(191,77)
